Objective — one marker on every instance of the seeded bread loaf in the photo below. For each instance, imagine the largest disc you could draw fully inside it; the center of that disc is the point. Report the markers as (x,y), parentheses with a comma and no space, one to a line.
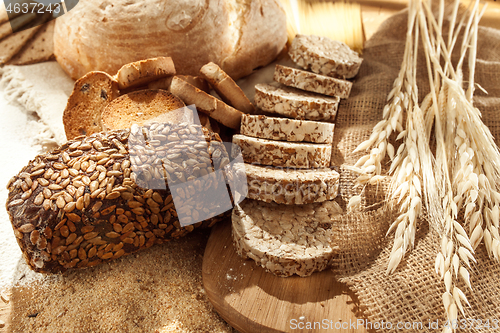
(226,88)
(282,154)
(91,94)
(142,72)
(312,82)
(324,56)
(206,103)
(142,107)
(294,103)
(285,239)
(284,129)
(289,186)
(100,197)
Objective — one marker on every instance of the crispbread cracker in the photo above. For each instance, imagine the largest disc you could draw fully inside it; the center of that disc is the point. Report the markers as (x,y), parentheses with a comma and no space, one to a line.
(38,49)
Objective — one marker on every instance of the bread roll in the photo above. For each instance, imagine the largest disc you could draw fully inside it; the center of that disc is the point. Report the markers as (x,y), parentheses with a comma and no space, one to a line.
(100,197)
(239,36)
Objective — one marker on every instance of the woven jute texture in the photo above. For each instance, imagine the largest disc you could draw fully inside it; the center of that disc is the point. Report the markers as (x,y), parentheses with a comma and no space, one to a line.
(414,292)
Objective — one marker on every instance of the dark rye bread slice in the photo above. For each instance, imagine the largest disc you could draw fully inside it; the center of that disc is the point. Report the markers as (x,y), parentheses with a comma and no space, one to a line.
(226,88)
(106,194)
(206,103)
(38,49)
(90,96)
(142,107)
(142,72)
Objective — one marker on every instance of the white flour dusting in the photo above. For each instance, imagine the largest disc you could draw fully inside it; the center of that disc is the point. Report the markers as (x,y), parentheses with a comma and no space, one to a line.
(16,150)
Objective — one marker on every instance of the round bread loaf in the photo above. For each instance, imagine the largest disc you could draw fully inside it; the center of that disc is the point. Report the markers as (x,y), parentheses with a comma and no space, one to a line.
(239,36)
(103,196)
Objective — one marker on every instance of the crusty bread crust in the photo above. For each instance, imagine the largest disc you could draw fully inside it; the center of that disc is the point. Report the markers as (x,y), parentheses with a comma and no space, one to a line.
(103,36)
(226,88)
(206,103)
(196,81)
(141,107)
(142,72)
(90,96)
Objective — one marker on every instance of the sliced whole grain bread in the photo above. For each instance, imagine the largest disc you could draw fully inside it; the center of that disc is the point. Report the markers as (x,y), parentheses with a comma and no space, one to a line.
(91,94)
(142,72)
(288,186)
(10,25)
(285,239)
(38,49)
(295,103)
(324,56)
(284,129)
(13,43)
(143,107)
(282,154)
(206,103)
(226,88)
(312,82)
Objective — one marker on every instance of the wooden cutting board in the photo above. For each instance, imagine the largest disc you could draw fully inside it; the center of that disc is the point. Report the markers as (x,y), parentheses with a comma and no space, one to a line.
(252,300)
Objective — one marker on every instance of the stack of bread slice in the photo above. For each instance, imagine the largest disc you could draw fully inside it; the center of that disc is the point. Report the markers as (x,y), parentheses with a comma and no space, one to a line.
(285,222)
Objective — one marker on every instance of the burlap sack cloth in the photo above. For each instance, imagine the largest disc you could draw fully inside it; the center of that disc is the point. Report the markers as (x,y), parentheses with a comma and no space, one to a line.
(414,292)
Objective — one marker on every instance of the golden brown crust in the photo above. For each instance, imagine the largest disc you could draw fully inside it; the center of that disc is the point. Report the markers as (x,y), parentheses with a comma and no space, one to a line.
(142,72)
(103,36)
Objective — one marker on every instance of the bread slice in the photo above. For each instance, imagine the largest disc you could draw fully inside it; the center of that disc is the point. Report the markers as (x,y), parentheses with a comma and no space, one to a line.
(142,72)
(143,107)
(196,81)
(294,103)
(290,187)
(90,96)
(325,56)
(312,82)
(206,103)
(282,154)
(284,129)
(226,88)
(40,48)
(285,239)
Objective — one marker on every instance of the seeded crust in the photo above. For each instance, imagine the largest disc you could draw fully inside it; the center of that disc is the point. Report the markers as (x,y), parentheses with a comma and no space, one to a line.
(226,88)
(289,186)
(325,56)
(283,129)
(285,239)
(91,94)
(312,82)
(294,103)
(282,154)
(142,107)
(206,103)
(103,196)
(142,72)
